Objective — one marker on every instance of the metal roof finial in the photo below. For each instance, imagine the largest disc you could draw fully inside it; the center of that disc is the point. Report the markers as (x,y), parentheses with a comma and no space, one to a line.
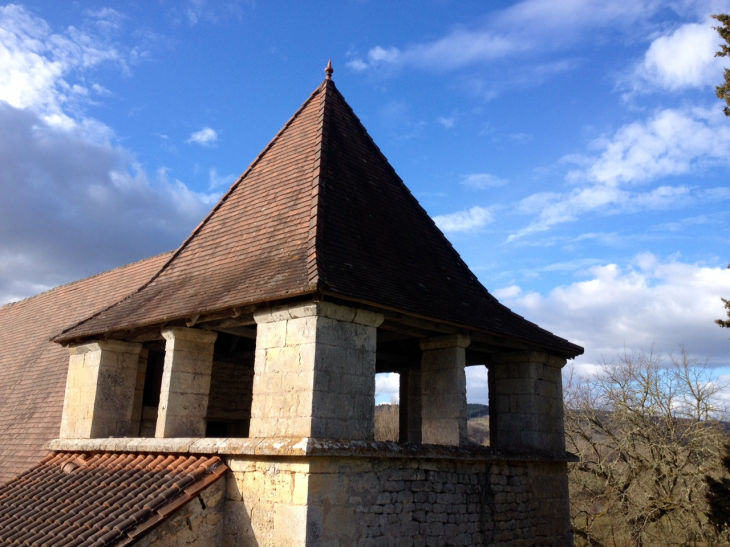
(329,70)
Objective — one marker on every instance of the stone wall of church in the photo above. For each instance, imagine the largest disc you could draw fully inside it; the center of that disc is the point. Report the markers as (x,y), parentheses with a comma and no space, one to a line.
(374,502)
(199,522)
(325,492)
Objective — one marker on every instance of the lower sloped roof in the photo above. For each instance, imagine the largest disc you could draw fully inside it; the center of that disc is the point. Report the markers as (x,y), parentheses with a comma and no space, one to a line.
(33,370)
(106,499)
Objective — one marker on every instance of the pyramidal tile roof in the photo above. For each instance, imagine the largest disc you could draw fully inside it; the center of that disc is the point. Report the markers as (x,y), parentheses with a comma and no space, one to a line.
(319,210)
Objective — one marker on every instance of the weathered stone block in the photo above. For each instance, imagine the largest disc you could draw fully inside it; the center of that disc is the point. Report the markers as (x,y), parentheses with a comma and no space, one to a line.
(443,390)
(100,388)
(526,393)
(185,382)
(271,335)
(327,365)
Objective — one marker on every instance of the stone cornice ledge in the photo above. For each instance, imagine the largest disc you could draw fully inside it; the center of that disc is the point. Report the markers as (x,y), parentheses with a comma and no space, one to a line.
(286,447)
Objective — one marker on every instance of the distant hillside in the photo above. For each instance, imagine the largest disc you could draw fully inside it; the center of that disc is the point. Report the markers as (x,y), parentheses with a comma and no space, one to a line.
(474,410)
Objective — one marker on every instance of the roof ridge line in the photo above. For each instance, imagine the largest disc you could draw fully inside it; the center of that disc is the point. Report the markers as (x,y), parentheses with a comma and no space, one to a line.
(319,171)
(203,222)
(74,282)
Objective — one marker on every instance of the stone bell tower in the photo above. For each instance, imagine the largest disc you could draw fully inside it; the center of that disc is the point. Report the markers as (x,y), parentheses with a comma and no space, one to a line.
(260,338)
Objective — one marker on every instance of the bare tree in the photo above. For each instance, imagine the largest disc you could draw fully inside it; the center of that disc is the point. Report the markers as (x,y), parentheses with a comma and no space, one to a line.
(477,430)
(718,495)
(647,431)
(387,422)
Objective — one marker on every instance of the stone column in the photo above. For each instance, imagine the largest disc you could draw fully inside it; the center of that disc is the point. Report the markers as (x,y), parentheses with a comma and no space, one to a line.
(314,372)
(443,390)
(526,401)
(410,406)
(185,382)
(100,390)
(139,394)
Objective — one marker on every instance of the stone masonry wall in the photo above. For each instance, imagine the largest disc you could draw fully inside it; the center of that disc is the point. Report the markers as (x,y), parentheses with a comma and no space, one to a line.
(199,522)
(266,502)
(383,502)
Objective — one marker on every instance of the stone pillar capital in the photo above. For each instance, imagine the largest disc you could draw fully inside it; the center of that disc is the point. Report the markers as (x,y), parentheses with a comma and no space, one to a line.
(189,334)
(319,309)
(116,346)
(443,342)
(538,357)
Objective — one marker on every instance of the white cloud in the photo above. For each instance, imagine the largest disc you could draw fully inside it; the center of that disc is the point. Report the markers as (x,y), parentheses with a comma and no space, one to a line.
(464,221)
(521,28)
(513,291)
(209,11)
(650,302)
(448,123)
(72,207)
(357,65)
(638,153)
(477,386)
(71,202)
(684,58)
(35,63)
(520,138)
(482,181)
(108,21)
(387,387)
(218,181)
(457,49)
(658,147)
(379,54)
(205,137)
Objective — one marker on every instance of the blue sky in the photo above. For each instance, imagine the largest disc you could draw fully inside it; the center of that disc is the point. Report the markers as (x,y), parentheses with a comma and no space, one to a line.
(572,150)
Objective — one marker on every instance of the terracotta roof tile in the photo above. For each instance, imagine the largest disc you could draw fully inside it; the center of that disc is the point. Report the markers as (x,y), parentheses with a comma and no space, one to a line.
(33,370)
(99,504)
(320,209)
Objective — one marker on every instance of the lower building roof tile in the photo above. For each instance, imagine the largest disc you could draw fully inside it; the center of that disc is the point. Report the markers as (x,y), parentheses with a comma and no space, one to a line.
(119,509)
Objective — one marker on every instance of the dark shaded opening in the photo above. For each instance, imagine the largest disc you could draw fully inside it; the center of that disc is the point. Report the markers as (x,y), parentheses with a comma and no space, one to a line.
(231,385)
(217,429)
(153,378)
